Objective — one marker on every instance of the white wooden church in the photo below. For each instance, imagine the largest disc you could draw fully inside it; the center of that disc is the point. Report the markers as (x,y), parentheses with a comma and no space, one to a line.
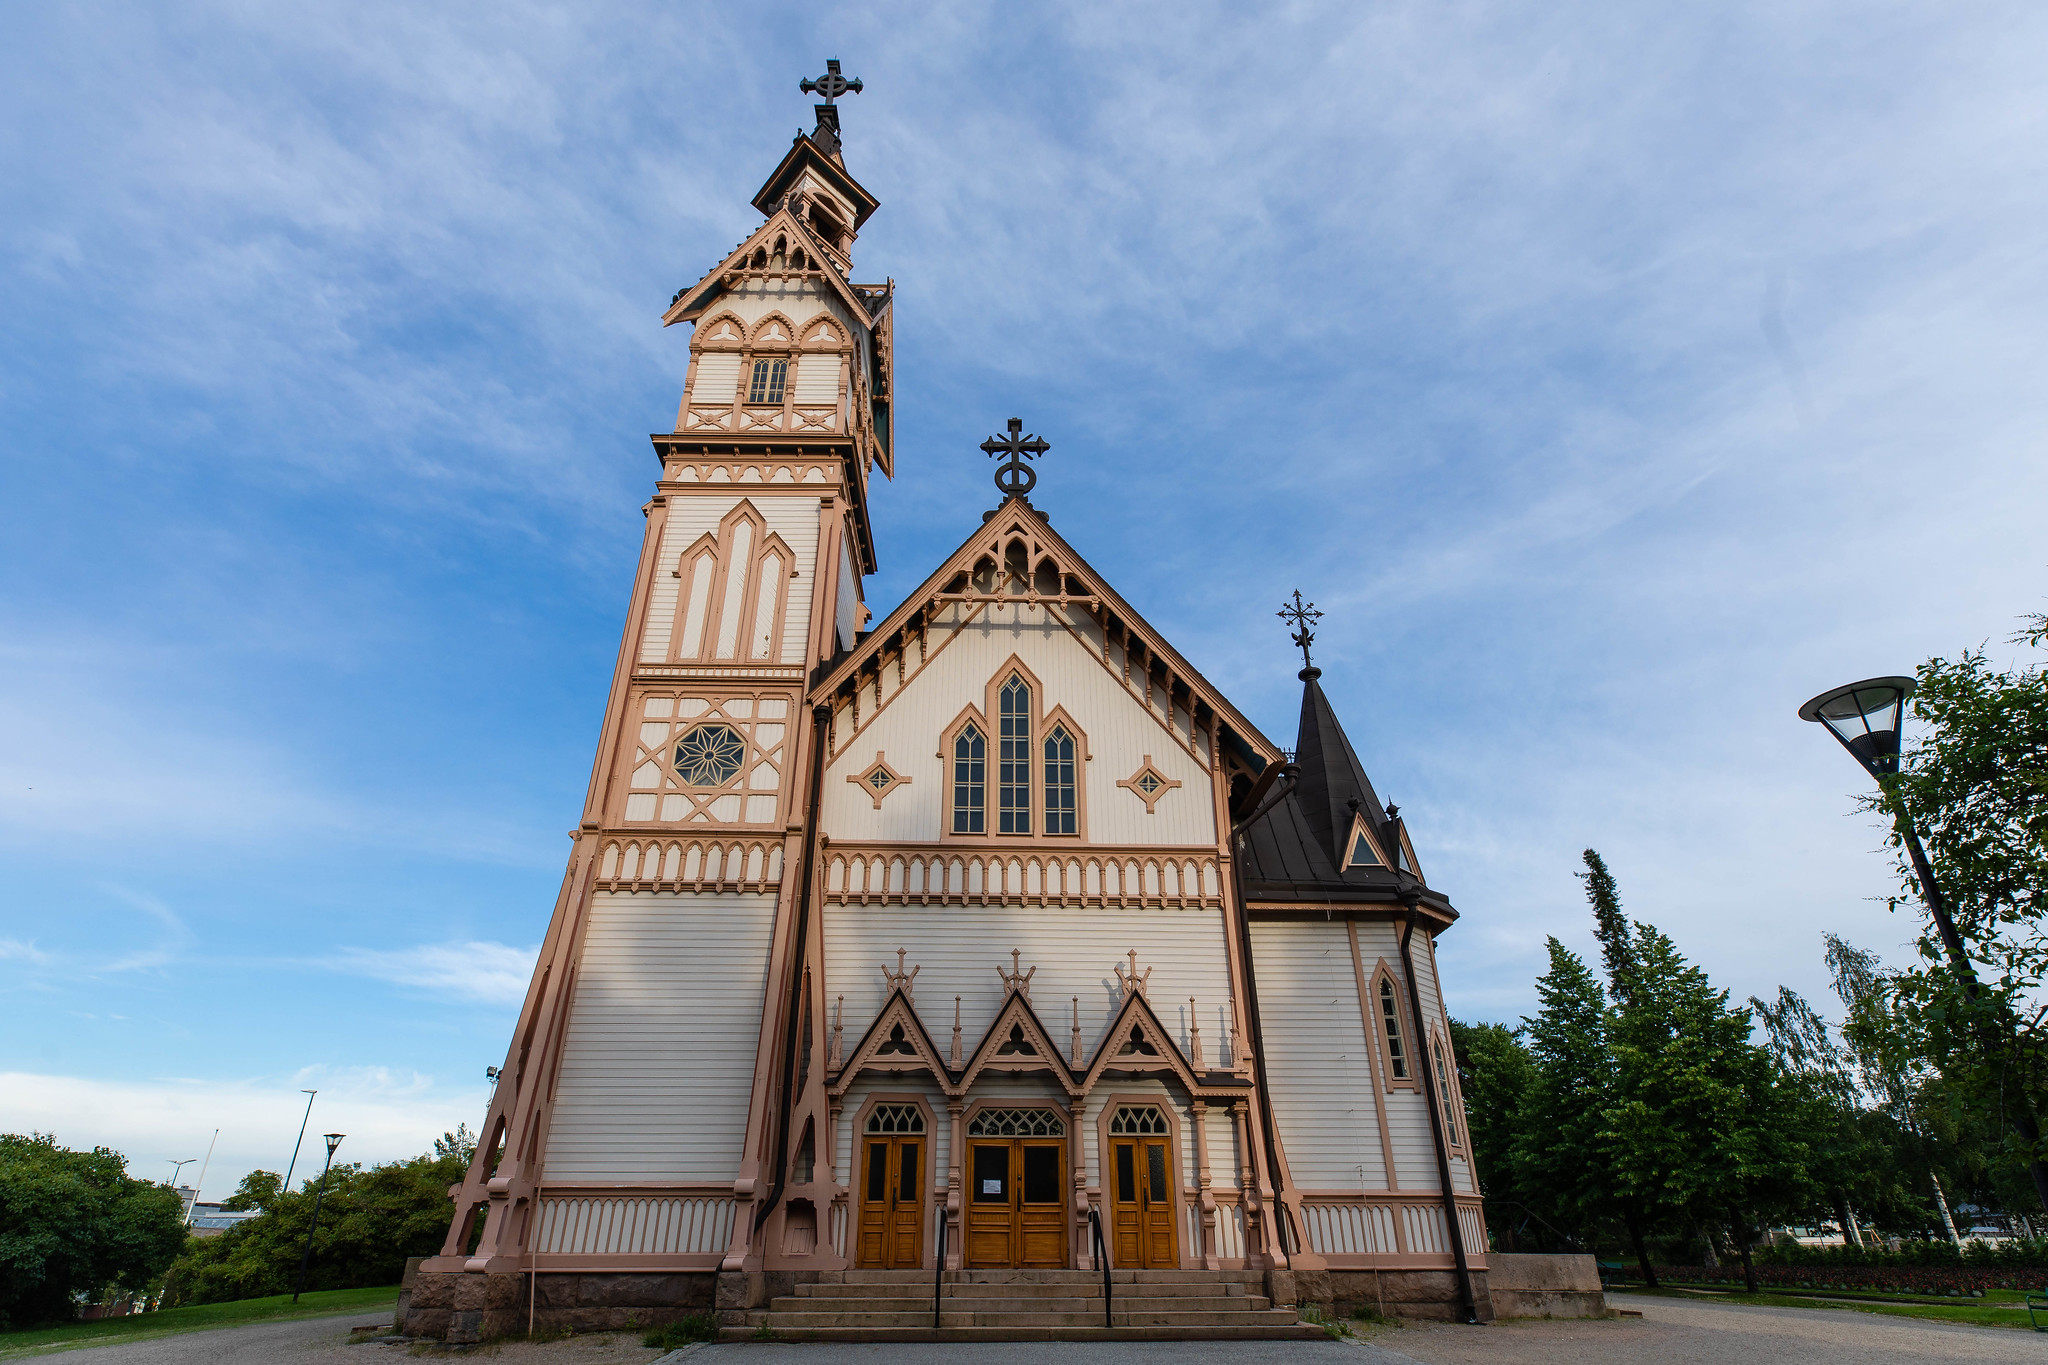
(949,938)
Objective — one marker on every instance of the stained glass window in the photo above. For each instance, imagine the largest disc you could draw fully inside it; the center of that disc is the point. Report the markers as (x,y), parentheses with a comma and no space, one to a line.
(1059,781)
(709,756)
(1013,776)
(970,762)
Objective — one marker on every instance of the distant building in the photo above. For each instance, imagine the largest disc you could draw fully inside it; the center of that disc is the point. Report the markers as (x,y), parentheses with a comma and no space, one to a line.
(211,1220)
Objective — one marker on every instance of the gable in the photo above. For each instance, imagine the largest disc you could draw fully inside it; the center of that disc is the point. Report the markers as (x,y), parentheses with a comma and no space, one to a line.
(968,650)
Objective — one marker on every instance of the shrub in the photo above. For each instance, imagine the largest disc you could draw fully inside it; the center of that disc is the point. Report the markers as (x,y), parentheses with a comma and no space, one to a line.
(75,1223)
(683,1331)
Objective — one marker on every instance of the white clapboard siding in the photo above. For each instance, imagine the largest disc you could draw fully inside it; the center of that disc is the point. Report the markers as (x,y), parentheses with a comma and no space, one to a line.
(1119,735)
(659,1058)
(718,377)
(1407,1110)
(817,380)
(1317,1066)
(693,515)
(958,948)
(1224,1169)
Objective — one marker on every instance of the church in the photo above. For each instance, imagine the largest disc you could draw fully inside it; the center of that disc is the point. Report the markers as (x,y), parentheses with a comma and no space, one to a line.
(969,964)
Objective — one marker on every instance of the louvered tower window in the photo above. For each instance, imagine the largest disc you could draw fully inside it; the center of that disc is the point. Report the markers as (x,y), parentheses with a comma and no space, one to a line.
(1013,771)
(1059,781)
(970,765)
(769,378)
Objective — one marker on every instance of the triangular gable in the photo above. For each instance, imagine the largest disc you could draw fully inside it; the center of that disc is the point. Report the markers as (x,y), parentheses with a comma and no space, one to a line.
(1165,1055)
(1017,516)
(1362,849)
(880,1047)
(691,302)
(998,1050)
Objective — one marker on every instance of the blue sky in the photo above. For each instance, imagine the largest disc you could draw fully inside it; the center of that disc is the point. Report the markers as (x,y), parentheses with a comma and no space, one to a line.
(1613,378)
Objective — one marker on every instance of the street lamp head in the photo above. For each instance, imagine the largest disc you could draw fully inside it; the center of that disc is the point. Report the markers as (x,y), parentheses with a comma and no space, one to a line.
(1865,717)
(333,1141)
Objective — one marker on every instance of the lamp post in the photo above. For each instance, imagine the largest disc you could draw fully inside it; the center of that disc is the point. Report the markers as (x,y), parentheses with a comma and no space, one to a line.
(1865,717)
(177,1170)
(306,1257)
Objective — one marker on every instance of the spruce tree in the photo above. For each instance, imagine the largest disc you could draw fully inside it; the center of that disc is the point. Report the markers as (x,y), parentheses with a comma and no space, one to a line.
(1610,925)
(1558,1159)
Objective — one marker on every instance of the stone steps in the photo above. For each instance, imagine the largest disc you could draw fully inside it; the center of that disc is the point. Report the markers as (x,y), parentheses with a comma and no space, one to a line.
(1019,1305)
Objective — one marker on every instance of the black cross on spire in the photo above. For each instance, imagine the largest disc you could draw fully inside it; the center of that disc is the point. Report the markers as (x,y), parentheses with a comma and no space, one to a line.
(1016,478)
(831,85)
(1301,615)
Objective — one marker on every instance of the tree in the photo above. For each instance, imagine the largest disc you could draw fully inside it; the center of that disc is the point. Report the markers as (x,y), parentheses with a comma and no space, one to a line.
(1557,1147)
(1494,1071)
(1610,925)
(74,1224)
(371,1220)
(1975,787)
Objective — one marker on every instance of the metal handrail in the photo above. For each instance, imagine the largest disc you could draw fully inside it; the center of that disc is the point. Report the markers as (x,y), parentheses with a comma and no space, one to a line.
(939,1269)
(1101,1259)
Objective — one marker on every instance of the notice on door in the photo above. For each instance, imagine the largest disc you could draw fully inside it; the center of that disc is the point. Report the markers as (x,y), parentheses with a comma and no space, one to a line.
(991,1187)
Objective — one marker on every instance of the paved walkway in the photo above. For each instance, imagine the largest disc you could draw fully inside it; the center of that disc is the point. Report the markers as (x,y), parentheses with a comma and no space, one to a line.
(1670,1332)
(1692,1332)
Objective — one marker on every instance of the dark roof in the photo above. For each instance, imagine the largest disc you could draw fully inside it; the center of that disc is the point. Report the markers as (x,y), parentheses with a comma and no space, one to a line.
(1295,850)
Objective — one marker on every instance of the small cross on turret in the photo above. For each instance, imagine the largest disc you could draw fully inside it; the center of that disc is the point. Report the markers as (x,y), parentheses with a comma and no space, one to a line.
(830,86)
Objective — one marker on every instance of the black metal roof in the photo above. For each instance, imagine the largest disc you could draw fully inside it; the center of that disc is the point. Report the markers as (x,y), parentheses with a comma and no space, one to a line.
(1295,850)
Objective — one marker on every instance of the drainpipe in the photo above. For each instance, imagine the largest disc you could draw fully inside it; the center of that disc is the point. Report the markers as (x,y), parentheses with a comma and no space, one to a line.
(1288,775)
(821,718)
(1427,1059)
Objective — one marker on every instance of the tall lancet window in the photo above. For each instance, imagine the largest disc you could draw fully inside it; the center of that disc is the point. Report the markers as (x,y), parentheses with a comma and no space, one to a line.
(769,378)
(1013,773)
(970,763)
(1059,781)
(1390,1016)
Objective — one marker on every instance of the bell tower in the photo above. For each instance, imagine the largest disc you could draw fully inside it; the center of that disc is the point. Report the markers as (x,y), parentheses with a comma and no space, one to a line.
(651,1046)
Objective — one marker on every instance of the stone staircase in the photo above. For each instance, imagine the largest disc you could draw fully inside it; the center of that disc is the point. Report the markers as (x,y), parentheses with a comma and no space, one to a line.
(1027,1305)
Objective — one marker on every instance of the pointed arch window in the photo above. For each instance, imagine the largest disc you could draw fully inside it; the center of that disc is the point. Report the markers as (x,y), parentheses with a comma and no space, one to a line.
(1445,1104)
(770,377)
(1013,767)
(970,768)
(1059,781)
(1390,1021)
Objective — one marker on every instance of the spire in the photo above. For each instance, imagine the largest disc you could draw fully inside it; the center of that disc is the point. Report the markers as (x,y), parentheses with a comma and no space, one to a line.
(1333,785)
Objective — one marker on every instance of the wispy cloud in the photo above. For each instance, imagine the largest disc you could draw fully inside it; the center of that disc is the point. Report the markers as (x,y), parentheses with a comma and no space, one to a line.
(17,950)
(495,973)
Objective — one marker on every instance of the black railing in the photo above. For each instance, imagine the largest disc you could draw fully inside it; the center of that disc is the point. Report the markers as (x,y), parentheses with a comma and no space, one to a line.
(939,1269)
(1101,1259)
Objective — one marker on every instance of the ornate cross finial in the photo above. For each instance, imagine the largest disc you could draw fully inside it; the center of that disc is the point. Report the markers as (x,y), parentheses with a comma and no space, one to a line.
(1016,477)
(1302,616)
(900,980)
(1133,983)
(831,85)
(1014,980)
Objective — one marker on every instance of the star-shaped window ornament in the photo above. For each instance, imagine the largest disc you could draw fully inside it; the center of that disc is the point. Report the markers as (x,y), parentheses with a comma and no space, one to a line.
(1148,784)
(878,779)
(709,756)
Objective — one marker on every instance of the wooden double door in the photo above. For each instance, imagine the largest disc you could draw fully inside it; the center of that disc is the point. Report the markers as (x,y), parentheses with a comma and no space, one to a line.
(1143,1209)
(1016,1209)
(892,1203)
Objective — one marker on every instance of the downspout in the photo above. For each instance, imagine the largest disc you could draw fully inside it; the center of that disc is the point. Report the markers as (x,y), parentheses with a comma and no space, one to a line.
(1426,1057)
(1289,774)
(821,718)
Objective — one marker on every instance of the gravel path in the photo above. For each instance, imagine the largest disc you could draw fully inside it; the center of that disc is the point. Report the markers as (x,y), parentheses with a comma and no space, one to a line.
(1691,1332)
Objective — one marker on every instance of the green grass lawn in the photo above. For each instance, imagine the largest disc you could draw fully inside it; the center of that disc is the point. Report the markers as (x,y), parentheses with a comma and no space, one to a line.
(368,1304)
(1998,1308)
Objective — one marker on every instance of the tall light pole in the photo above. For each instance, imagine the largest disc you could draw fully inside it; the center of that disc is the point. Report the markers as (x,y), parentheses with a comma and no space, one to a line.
(286,1187)
(200,1188)
(178,1169)
(333,1140)
(1866,718)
